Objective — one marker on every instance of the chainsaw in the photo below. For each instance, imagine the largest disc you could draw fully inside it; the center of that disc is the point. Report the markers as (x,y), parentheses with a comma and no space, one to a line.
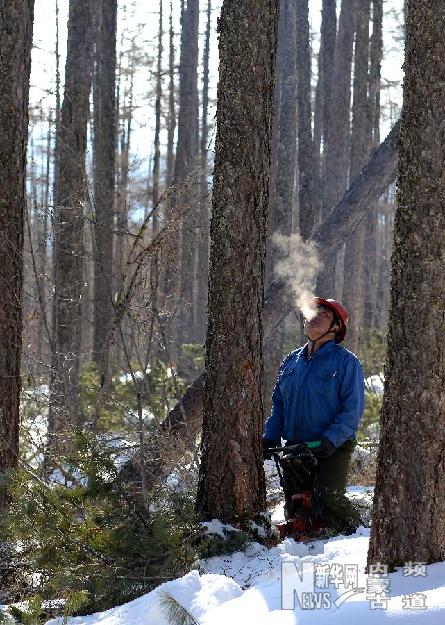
(296,470)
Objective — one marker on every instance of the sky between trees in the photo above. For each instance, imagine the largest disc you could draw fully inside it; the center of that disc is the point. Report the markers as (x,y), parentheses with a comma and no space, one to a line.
(138,20)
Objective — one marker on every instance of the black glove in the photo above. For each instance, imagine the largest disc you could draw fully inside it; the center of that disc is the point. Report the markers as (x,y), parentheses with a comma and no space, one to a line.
(324,450)
(267,446)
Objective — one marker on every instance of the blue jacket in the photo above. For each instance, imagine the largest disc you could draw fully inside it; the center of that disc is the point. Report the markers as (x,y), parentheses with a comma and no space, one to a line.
(320,396)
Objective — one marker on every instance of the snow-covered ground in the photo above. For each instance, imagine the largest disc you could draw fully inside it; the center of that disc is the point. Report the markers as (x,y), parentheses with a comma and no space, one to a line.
(257,586)
(320,582)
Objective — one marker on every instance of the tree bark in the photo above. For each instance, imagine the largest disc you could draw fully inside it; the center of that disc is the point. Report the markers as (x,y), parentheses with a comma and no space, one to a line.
(337,146)
(305,145)
(170,250)
(171,125)
(16,22)
(185,420)
(104,181)
(231,479)
(327,51)
(371,236)
(326,56)
(366,188)
(157,142)
(199,306)
(408,519)
(68,223)
(353,293)
(121,243)
(283,171)
(187,159)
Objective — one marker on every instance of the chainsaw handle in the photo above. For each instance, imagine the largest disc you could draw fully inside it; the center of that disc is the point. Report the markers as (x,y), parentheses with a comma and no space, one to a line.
(309,445)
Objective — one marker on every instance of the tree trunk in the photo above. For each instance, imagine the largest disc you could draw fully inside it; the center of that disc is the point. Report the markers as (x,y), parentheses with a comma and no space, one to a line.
(408,519)
(187,158)
(16,21)
(231,479)
(185,420)
(104,170)
(169,251)
(326,58)
(353,294)
(327,51)
(203,244)
(171,125)
(153,349)
(305,145)
(387,214)
(68,223)
(157,142)
(282,173)
(337,145)
(371,269)
(365,189)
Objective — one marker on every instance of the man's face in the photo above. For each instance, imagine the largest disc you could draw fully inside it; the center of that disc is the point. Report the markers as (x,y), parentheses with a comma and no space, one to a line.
(319,324)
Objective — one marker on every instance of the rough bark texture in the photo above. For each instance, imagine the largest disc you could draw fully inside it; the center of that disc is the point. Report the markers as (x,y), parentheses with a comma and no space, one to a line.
(408,520)
(68,223)
(305,145)
(16,19)
(353,293)
(186,421)
(104,163)
(231,480)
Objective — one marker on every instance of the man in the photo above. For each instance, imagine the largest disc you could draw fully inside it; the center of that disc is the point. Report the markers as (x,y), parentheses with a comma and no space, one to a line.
(319,395)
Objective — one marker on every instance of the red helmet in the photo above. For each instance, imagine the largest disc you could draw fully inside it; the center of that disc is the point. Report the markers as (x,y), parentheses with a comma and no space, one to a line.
(339,310)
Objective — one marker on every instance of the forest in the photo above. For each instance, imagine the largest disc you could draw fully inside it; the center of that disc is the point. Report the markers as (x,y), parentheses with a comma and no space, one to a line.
(222,367)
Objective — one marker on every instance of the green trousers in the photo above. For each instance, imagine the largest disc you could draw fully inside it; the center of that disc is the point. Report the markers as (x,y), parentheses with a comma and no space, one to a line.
(328,482)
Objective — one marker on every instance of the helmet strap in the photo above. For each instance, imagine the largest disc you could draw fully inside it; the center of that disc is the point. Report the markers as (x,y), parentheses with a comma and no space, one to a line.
(333,322)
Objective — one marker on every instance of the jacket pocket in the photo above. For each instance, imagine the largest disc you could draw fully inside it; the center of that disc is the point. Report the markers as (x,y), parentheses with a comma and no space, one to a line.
(326,384)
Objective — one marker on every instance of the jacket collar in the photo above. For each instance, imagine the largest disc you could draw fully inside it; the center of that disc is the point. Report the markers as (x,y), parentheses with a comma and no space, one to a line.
(323,349)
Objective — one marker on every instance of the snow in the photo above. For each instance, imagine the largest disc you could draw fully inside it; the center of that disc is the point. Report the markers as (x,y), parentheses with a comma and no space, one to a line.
(216,527)
(196,593)
(246,587)
(261,585)
(375,383)
(126,378)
